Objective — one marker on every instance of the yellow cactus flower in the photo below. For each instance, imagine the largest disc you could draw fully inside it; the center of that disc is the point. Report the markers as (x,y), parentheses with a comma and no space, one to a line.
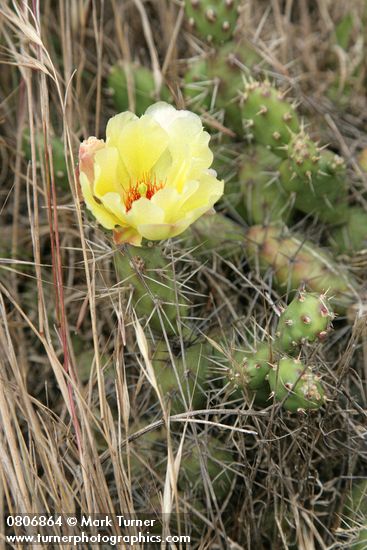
(151,178)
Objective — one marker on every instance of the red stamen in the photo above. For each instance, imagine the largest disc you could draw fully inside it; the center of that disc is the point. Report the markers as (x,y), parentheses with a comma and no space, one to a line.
(133,193)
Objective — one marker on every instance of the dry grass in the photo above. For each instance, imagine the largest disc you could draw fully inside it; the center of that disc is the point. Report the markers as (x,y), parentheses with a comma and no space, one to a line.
(72,438)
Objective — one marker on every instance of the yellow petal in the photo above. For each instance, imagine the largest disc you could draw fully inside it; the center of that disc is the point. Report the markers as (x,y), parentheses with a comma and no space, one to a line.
(105,172)
(155,232)
(114,204)
(167,199)
(143,211)
(102,215)
(140,145)
(207,193)
(115,127)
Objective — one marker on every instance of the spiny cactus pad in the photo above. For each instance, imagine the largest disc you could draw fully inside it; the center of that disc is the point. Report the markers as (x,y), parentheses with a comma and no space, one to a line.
(227,67)
(306,319)
(316,178)
(187,384)
(352,236)
(297,384)
(295,262)
(58,156)
(152,278)
(261,198)
(216,234)
(142,87)
(211,454)
(248,370)
(212,20)
(197,87)
(271,119)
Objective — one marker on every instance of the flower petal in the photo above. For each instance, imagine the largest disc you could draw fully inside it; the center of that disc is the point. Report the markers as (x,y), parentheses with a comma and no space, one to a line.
(108,172)
(141,143)
(87,151)
(143,211)
(167,199)
(127,235)
(115,127)
(113,203)
(103,216)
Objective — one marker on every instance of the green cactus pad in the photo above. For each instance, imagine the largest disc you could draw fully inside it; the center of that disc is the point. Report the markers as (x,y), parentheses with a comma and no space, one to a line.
(143,87)
(215,233)
(58,156)
(191,375)
(152,277)
(214,456)
(306,319)
(294,262)
(292,381)
(261,198)
(212,20)
(248,370)
(303,156)
(352,236)
(197,88)
(262,396)
(324,196)
(355,514)
(271,119)
(228,67)
(316,178)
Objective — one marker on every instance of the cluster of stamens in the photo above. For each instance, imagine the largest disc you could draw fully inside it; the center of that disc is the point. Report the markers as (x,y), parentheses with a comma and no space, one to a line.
(146,187)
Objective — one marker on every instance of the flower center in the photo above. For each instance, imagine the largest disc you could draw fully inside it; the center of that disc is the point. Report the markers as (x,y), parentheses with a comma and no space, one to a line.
(146,187)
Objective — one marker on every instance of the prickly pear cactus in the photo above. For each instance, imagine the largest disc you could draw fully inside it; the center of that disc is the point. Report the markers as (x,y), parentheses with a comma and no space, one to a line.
(197,88)
(306,319)
(151,276)
(212,20)
(352,236)
(228,66)
(355,515)
(249,370)
(211,454)
(295,262)
(316,178)
(215,234)
(296,384)
(143,87)
(186,388)
(58,156)
(260,197)
(270,119)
